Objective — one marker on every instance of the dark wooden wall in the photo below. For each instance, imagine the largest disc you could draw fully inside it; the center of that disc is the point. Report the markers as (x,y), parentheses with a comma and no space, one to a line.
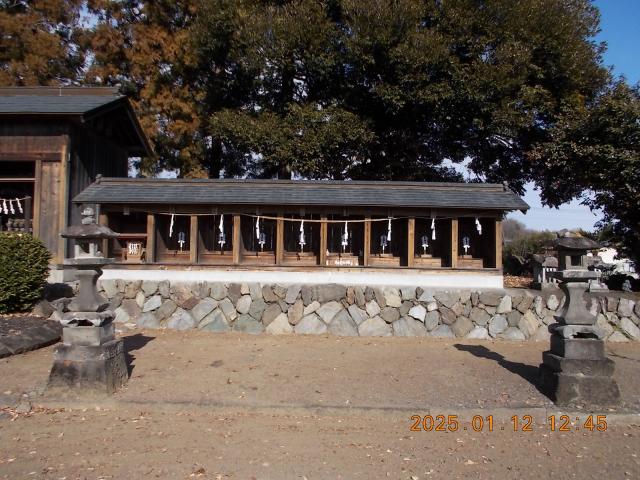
(67,157)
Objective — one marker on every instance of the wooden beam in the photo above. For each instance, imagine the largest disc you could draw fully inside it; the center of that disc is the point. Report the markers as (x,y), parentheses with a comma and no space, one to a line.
(499,243)
(237,239)
(103,220)
(37,199)
(454,243)
(323,241)
(64,213)
(367,241)
(193,240)
(279,240)
(411,242)
(150,256)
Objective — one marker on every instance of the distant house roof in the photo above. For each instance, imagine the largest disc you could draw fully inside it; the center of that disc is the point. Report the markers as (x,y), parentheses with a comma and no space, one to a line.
(82,103)
(301,193)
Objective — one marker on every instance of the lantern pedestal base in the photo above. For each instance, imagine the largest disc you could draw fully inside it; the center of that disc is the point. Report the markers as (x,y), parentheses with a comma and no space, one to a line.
(577,373)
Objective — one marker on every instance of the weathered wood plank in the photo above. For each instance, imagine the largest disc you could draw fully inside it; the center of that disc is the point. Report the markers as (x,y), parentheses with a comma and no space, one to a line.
(411,233)
(237,239)
(279,240)
(454,243)
(498,240)
(367,242)
(193,237)
(323,241)
(151,238)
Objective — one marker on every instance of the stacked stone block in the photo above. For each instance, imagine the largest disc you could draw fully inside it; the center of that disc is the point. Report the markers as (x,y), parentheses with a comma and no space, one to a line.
(353,310)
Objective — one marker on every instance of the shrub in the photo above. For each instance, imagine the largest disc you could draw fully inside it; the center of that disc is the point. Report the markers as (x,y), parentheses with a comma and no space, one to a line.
(24,267)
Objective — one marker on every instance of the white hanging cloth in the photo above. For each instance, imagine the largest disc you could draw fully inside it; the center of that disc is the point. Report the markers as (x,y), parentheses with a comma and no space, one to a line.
(19,205)
(389,231)
(433,229)
(345,235)
(11,209)
(5,210)
(221,225)
(171,226)
(302,241)
(258,228)
(478,226)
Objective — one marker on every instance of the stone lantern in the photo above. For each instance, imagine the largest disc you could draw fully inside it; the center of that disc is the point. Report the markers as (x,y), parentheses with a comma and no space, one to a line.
(90,357)
(576,371)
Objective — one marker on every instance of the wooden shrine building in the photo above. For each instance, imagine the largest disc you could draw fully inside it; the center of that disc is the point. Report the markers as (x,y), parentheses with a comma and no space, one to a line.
(53,143)
(447,234)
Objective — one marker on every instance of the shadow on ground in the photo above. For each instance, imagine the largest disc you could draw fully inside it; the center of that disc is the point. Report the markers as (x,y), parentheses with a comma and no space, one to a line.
(528,372)
(133,343)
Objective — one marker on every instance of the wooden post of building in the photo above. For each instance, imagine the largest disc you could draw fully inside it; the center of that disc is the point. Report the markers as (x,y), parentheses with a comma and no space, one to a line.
(279,240)
(151,238)
(454,243)
(193,240)
(411,242)
(499,243)
(367,241)
(28,223)
(323,241)
(236,249)
(103,220)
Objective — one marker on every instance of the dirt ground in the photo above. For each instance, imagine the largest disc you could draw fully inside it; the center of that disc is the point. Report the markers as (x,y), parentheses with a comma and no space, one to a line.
(201,405)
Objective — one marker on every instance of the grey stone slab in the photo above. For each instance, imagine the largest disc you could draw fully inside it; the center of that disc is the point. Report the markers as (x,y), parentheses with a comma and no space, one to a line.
(148,320)
(372,308)
(258,306)
(358,314)
(582,349)
(306,293)
(244,304)
(505,305)
(343,325)
(374,327)
(447,315)
(218,291)
(408,327)
(491,299)
(311,325)
(390,314)
(461,327)
(228,309)
(292,293)
(247,324)
(149,287)
(181,320)
(408,293)
(329,310)
(630,328)
(479,316)
(442,331)
(418,312)
(280,325)
(296,312)
(497,325)
(270,313)
(329,292)
(215,322)
(431,320)
(448,299)
(152,304)
(204,308)
(478,333)
(512,333)
(234,292)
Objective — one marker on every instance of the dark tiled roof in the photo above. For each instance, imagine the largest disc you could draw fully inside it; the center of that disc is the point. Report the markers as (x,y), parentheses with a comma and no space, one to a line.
(301,193)
(54,105)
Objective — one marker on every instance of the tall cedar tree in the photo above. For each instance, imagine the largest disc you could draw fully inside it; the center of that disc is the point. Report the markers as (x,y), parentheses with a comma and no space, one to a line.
(40,43)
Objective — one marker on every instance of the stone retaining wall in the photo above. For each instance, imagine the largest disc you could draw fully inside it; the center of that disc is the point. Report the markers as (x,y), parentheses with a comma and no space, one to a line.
(352,311)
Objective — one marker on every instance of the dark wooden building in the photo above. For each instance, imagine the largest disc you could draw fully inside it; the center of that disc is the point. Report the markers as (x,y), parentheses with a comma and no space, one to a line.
(416,229)
(53,144)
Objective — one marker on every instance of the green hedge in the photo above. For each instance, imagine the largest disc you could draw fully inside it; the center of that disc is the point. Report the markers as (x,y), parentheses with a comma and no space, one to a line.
(24,267)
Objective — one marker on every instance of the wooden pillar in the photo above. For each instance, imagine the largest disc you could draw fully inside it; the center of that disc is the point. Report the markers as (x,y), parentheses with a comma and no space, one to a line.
(367,241)
(103,220)
(411,242)
(236,249)
(151,238)
(279,240)
(454,243)
(193,240)
(323,241)
(499,243)
(28,222)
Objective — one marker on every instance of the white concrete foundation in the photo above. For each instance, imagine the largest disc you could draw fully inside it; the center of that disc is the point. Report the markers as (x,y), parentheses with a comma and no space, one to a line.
(441,280)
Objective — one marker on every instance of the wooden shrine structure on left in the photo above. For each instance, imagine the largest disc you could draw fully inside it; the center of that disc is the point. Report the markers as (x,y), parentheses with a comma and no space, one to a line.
(53,143)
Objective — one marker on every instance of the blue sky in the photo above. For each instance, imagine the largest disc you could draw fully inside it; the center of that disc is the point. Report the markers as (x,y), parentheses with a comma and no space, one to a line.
(620,29)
